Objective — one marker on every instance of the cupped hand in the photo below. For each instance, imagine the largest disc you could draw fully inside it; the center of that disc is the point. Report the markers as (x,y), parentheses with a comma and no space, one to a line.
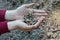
(23,10)
(26,9)
(19,14)
(20,25)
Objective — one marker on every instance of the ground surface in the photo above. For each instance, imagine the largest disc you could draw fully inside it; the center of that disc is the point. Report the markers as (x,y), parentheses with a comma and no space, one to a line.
(49,28)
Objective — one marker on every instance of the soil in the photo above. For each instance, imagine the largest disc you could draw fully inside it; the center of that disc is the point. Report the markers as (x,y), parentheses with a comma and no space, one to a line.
(48,29)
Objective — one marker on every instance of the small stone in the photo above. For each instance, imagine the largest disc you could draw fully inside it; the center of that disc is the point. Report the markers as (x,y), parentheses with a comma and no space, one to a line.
(54,35)
(49,33)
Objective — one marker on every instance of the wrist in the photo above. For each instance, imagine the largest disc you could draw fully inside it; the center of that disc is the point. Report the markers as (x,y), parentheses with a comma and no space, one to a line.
(12,25)
(10,14)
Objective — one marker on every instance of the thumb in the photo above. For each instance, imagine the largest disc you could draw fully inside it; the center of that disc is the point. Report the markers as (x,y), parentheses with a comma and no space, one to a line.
(30,5)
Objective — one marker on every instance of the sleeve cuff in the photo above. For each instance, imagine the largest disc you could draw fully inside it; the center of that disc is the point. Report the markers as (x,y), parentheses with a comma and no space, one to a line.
(3,27)
(2,15)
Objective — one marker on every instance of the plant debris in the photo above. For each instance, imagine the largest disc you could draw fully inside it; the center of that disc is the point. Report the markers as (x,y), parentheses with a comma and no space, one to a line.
(48,29)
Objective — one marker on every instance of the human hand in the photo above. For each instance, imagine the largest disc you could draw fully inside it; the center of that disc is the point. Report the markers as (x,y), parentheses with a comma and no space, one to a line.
(26,9)
(23,10)
(19,25)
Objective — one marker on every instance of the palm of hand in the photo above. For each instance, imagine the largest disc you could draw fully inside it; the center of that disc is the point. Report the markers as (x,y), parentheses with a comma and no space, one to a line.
(25,9)
(21,11)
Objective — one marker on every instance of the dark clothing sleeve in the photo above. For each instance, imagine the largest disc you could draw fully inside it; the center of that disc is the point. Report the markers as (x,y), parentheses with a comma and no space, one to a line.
(2,15)
(3,22)
(3,27)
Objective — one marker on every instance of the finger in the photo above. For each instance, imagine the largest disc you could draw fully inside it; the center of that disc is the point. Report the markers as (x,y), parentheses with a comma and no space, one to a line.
(30,5)
(39,14)
(37,10)
(41,18)
(39,21)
